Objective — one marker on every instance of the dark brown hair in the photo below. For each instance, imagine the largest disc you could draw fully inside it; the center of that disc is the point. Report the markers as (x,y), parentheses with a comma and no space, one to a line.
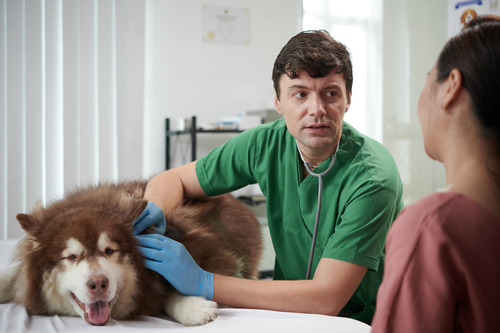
(475,53)
(316,53)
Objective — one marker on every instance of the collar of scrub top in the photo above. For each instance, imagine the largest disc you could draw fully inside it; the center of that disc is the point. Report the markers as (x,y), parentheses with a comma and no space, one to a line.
(309,167)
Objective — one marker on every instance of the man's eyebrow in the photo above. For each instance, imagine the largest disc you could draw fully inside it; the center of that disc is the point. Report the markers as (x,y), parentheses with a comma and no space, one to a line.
(300,86)
(333,86)
(297,86)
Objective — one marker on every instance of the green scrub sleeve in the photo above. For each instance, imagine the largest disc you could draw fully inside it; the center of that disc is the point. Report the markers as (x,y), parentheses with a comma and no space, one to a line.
(360,235)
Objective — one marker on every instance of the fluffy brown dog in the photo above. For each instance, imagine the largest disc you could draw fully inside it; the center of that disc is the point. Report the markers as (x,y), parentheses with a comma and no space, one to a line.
(80,256)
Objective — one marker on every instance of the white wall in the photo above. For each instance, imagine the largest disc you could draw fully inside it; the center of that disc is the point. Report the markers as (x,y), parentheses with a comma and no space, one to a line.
(186,76)
(413,34)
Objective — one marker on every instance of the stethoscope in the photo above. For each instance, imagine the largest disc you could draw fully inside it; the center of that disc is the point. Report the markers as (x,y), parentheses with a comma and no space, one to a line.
(320,194)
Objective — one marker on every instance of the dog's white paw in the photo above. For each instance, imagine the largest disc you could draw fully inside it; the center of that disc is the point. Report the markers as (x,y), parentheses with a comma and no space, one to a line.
(191,310)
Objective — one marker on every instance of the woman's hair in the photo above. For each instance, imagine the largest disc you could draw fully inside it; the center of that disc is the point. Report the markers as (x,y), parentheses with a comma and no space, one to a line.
(475,53)
(316,53)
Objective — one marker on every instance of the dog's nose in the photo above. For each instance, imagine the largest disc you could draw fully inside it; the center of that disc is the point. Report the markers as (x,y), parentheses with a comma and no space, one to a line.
(98,284)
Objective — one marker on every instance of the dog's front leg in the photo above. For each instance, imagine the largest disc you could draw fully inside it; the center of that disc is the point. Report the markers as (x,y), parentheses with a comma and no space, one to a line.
(190,310)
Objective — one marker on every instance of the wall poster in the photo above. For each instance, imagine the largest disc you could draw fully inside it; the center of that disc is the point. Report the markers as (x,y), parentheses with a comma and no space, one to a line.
(461,12)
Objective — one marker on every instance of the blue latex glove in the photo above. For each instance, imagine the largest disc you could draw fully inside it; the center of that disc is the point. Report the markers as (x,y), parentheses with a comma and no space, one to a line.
(170,259)
(151,216)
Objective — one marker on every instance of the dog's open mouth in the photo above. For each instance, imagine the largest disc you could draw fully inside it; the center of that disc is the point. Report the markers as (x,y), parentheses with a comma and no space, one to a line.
(95,313)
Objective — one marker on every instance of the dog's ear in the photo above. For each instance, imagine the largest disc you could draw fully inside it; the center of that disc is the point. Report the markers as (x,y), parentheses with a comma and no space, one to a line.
(27,221)
(133,208)
(138,207)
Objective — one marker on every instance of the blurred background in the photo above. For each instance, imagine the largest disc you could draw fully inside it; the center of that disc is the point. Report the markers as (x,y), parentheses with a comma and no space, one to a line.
(86,86)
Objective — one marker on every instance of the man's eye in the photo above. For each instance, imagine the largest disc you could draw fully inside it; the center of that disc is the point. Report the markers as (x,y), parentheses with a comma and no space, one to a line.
(331,94)
(299,94)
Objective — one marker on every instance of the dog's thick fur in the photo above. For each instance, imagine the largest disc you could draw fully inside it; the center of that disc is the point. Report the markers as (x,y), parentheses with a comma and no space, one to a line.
(80,257)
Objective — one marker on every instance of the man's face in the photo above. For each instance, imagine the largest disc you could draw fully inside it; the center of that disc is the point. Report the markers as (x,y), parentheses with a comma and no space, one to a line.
(313,109)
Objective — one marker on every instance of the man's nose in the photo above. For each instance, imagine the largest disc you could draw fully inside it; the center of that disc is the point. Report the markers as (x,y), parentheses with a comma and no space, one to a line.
(317,107)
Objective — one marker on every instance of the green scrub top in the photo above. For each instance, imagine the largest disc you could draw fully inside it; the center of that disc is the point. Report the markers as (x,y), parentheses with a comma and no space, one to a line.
(361,198)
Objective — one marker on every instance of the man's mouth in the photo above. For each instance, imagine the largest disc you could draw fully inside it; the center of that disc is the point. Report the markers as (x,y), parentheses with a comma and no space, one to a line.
(317,127)
(96,313)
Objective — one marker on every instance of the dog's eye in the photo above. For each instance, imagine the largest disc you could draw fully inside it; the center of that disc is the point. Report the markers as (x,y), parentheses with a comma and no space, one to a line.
(71,257)
(109,251)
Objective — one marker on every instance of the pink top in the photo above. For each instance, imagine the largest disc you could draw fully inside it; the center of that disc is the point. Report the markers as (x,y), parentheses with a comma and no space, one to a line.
(442,270)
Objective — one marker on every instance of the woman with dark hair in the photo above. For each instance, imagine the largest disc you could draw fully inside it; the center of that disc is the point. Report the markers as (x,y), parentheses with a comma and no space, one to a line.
(442,267)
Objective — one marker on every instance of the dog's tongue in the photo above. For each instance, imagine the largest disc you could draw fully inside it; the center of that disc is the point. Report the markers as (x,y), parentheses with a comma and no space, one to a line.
(98,312)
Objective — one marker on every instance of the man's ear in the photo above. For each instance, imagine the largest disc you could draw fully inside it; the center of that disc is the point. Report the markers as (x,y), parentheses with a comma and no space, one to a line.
(348,102)
(277,103)
(453,89)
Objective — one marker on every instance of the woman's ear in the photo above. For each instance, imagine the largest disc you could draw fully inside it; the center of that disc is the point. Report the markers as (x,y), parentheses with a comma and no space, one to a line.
(454,87)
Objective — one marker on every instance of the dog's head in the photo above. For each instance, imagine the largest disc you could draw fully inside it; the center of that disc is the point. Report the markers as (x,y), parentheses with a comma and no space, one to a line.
(467,16)
(80,255)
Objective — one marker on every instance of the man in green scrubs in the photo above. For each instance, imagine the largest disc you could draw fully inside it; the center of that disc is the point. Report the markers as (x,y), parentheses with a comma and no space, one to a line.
(362,193)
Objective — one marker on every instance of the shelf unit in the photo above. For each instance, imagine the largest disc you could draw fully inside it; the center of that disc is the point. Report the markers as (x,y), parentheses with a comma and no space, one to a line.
(192,132)
(267,265)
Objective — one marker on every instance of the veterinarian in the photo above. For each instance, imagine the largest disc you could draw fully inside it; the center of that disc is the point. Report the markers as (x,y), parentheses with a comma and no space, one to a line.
(443,272)
(360,187)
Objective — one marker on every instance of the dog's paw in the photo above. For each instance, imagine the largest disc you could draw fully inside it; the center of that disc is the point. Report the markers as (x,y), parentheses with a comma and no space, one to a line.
(191,310)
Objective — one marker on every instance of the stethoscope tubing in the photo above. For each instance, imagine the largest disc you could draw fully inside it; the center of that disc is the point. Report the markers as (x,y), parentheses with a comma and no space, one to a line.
(320,197)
